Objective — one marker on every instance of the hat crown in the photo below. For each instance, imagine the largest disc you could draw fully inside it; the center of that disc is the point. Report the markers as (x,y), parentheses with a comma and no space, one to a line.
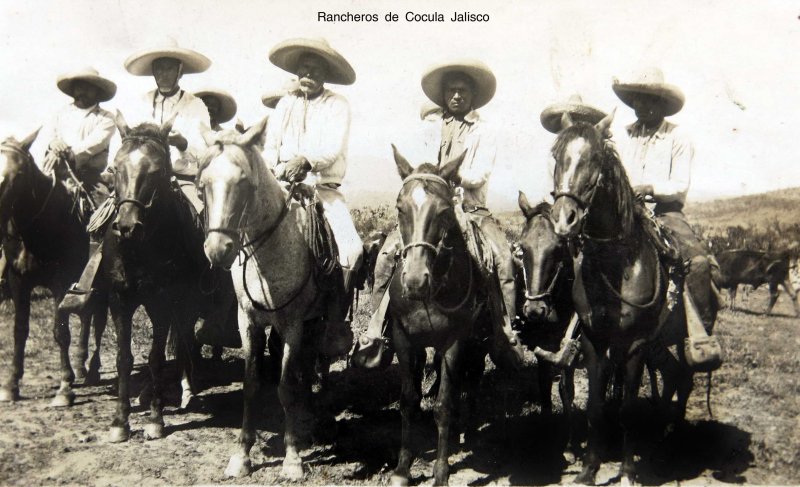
(166,41)
(575,99)
(650,75)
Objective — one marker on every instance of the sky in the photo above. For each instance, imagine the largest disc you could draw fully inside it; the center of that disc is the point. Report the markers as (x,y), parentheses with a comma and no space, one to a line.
(736,61)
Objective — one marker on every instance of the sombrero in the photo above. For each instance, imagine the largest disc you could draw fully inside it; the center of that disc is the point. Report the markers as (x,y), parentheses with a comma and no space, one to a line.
(227,105)
(286,55)
(650,82)
(577,109)
(485,82)
(90,75)
(271,98)
(140,63)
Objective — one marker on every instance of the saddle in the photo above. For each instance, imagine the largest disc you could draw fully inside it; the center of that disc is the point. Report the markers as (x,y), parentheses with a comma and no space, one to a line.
(661,237)
(318,233)
(479,248)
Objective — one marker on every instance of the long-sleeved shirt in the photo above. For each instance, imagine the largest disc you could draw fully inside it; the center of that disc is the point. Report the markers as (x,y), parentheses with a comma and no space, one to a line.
(661,157)
(192,114)
(317,129)
(446,137)
(87,131)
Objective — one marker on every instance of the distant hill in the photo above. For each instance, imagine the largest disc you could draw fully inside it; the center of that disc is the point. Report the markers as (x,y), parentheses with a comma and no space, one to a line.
(760,211)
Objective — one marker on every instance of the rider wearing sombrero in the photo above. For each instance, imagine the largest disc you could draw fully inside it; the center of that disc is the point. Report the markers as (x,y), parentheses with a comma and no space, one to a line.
(459,89)
(166,63)
(306,141)
(220,104)
(657,157)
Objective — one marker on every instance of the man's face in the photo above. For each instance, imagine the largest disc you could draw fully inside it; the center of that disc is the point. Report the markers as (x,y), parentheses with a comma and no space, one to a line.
(312,71)
(213,105)
(649,109)
(85,94)
(458,95)
(167,72)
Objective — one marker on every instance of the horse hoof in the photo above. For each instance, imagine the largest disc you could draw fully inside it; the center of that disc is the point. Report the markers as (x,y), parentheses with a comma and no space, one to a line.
(153,431)
(399,480)
(8,394)
(238,466)
(292,471)
(585,478)
(188,401)
(441,473)
(626,481)
(119,434)
(569,458)
(63,400)
(81,373)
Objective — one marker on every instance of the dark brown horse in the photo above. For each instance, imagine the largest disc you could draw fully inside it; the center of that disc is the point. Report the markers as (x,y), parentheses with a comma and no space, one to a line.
(438,300)
(152,256)
(620,286)
(45,244)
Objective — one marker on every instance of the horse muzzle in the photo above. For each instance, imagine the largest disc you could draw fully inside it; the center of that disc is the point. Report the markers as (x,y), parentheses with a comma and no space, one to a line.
(567,217)
(128,225)
(536,310)
(416,284)
(220,250)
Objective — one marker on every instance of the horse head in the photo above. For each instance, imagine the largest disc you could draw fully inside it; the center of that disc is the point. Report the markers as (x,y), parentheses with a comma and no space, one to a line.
(143,171)
(581,155)
(425,212)
(16,164)
(228,178)
(543,257)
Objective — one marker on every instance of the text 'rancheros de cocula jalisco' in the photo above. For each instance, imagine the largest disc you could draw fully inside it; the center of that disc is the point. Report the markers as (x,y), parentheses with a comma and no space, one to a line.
(396,17)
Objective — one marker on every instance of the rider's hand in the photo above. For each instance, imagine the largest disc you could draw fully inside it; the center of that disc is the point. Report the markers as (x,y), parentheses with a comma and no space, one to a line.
(643,192)
(296,169)
(177,140)
(58,145)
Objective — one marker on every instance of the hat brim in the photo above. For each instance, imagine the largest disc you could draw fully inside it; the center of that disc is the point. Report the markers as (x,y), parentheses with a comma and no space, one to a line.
(227,105)
(485,81)
(551,116)
(107,87)
(141,63)
(671,96)
(287,54)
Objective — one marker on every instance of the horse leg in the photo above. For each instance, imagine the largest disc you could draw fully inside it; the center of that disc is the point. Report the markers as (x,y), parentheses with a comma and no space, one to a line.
(99,321)
(732,295)
(253,346)
(410,398)
(83,346)
(65,396)
(122,315)
(566,392)
(598,384)
(21,296)
(632,379)
(790,290)
(290,394)
(445,400)
(473,365)
(187,352)
(773,296)
(544,376)
(161,319)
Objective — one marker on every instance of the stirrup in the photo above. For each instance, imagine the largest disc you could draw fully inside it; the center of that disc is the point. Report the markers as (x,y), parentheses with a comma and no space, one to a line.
(564,358)
(703,354)
(371,353)
(74,289)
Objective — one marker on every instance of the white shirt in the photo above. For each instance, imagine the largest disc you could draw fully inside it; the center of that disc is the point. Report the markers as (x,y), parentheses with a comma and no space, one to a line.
(87,131)
(317,129)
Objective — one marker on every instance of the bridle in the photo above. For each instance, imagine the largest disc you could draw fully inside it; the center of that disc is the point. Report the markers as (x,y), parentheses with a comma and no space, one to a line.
(161,143)
(421,243)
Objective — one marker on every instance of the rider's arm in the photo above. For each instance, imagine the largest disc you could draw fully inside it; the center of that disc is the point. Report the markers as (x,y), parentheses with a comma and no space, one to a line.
(97,141)
(676,187)
(329,142)
(479,161)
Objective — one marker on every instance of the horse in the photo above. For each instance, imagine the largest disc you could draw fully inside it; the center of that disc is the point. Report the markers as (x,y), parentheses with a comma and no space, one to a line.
(251,215)
(152,256)
(45,244)
(620,285)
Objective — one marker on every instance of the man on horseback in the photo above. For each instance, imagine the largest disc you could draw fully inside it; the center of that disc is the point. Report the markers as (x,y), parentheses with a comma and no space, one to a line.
(459,88)
(167,64)
(220,104)
(306,141)
(657,157)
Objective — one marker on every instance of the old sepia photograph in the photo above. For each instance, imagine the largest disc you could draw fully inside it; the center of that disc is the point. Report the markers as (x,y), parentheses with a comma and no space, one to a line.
(399,242)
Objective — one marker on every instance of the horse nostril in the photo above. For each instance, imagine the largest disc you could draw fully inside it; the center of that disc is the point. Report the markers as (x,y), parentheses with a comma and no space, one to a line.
(571,217)
(115,226)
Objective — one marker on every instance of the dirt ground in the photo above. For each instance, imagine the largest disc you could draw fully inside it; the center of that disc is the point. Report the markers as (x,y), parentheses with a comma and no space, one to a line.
(753,437)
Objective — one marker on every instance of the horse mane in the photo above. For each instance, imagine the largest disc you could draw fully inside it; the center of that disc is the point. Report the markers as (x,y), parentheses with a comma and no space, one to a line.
(612,170)
(144,133)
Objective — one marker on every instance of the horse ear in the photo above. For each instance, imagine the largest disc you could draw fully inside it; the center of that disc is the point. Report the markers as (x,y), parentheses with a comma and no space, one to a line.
(403,166)
(451,167)
(166,127)
(254,133)
(604,124)
(121,124)
(209,137)
(566,121)
(27,142)
(524,204)
(239,126)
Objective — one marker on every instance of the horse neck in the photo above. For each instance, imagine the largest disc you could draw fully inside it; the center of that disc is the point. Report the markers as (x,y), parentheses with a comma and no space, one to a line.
(612,209)
(267,202)
(41,203)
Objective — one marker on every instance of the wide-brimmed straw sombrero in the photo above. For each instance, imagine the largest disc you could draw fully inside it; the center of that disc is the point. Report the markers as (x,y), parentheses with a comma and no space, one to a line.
(286,55)
(485,82)
(650,81)
(227,105)
(271,98)
(141,63)
(577,110)
(90,75)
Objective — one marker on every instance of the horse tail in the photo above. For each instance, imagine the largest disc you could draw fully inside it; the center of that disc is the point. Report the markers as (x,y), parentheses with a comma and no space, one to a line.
(708,396)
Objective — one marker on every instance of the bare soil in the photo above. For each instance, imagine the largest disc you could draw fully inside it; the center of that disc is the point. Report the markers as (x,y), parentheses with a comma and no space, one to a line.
(753,437)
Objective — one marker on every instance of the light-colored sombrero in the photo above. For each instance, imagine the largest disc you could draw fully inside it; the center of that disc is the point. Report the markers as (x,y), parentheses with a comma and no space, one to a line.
(286,55)
(227,105)
(485,82)
(140,63)
(577,109)
(650,81)
(271,98)
(90,75)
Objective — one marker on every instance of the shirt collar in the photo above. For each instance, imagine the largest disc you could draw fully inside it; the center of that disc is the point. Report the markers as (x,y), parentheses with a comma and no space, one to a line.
(637,129)
(85,111)
(470,118)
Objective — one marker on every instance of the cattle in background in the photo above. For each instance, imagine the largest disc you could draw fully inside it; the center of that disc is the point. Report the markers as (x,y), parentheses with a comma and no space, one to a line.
(755,268)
